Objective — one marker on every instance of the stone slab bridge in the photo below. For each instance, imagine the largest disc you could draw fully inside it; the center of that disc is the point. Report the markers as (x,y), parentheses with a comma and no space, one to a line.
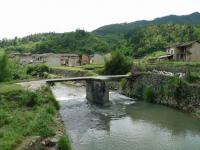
(97,89)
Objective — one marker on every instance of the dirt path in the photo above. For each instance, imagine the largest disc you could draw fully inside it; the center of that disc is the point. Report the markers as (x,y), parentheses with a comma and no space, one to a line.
(33,85)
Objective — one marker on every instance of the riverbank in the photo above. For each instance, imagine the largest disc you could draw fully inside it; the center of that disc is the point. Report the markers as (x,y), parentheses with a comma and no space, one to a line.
(167,90)
(30,119)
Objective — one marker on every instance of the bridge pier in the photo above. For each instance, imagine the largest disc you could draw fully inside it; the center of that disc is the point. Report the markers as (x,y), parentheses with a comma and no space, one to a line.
(97,91)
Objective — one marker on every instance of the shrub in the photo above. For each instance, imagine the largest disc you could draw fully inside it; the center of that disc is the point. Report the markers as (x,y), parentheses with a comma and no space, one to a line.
(118,64)
(3,65)
(16,71)
(10,91)
(29,99)
(192,76)
(39,70)
(175,87)
(63,143)
(42,125)
(123,84)
(19,120)
(50,109)
(50,97)
(4,118)
(149,94)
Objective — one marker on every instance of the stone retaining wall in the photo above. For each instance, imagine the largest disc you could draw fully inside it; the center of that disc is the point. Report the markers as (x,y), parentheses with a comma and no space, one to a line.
(166,90)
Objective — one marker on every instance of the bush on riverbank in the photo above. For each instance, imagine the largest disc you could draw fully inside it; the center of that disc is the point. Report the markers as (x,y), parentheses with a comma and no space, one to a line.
(149,94)
(118,64)
(63,143)
(3,65)
(40,70)
(24,114)
(11,70)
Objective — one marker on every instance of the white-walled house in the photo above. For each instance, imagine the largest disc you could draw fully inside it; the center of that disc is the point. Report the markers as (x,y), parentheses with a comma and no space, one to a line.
(97,59)
(189,51)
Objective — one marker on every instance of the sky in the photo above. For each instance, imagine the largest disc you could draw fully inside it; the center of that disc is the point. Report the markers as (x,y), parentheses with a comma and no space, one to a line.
(23,17)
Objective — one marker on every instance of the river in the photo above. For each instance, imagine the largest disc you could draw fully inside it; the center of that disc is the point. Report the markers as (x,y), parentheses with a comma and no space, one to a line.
(125,124)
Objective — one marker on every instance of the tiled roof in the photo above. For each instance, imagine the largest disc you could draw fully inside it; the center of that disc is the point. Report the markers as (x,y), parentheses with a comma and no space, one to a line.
(165,56)
(182,44)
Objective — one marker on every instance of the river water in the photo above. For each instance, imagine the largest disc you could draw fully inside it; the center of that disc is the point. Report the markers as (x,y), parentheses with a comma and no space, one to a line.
(125,124)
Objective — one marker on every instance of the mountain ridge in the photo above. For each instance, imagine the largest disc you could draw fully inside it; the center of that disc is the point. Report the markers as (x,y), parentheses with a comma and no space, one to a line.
(122,28)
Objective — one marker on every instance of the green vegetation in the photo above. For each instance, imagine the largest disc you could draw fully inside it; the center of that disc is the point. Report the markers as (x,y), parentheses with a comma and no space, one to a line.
(3,65)
(63,143)
(118,64)
(11,70)
(79,42)
(40,70)
(153,56)
(156,37)
(149,94)
(72,71)
(24,114)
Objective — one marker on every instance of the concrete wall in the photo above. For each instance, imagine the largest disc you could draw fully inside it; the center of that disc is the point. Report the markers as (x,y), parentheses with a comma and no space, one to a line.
(97,59)
(97,92)
(25,59)
(53,60)
(85,59)
(73,61)
(195,52)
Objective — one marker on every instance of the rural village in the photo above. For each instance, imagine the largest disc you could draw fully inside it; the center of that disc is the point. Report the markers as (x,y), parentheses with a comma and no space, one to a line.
(189,51)
(123,86)
(52,59)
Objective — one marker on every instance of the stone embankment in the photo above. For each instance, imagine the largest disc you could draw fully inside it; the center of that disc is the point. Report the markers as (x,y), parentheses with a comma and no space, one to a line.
(164,88)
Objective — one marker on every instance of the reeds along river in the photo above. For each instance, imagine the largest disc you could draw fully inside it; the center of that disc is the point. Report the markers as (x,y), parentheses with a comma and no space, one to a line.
(126,124)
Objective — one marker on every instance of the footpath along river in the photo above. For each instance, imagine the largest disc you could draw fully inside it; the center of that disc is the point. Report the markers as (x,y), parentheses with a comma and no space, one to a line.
(126,124)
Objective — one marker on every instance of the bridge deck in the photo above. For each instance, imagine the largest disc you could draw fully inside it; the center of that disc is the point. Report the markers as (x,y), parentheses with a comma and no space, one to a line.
(104,78)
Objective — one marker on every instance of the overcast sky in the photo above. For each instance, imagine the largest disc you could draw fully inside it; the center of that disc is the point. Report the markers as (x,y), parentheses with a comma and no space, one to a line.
(23,17)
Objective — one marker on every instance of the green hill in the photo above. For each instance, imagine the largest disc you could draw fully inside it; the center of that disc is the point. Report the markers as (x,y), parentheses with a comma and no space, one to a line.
(156,37)
(78,42)
(192,19)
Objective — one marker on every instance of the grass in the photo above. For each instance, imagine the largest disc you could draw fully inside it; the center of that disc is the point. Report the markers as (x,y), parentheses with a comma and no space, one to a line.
(154,55)
(149,94)
(24,114)
(78,70)
(68,68)
(63,143)
(83,67)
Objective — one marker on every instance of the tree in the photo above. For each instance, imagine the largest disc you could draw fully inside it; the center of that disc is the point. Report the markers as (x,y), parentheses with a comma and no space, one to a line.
(3,65)
(118,64)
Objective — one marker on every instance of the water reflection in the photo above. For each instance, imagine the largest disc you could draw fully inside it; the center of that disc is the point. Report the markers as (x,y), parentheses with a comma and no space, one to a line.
(177,122)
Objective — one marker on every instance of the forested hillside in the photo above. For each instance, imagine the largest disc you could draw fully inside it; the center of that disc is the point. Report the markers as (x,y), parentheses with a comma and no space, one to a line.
(123,28)
(156,37)
(72,42)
